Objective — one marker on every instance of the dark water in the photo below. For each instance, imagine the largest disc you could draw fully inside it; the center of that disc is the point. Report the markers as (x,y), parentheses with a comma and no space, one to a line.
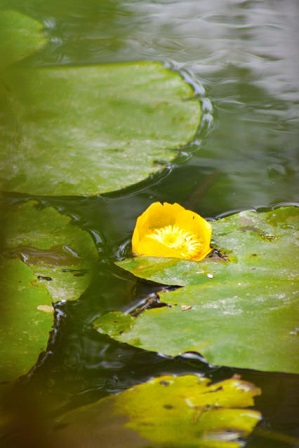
(243,55)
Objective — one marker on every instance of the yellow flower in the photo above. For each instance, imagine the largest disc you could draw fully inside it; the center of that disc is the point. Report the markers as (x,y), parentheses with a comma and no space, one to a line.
(169,230)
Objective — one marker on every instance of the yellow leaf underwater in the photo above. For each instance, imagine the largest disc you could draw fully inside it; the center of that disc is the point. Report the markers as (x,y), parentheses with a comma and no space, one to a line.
(186,411)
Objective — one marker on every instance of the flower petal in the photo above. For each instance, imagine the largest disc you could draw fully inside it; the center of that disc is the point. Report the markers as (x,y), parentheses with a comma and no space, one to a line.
(169,230)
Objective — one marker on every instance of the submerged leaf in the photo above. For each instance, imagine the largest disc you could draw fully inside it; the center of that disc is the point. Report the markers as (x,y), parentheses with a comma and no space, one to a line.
(237,302)
(168,411)
(90,130)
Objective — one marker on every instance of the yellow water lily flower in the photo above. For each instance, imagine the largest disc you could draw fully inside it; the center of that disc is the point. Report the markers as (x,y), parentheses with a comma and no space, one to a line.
(169,230)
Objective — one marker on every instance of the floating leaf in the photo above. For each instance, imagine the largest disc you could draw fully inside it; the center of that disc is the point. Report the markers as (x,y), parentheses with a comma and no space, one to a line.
(61,256)
(44,258)
(90,130)
(20,36)
(230,307)
(26,320)
(184,411)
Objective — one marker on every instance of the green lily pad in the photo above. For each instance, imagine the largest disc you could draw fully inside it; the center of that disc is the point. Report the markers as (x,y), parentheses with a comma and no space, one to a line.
(20,36)
(91,130)
(184,411)
(230,307)
(61,255)
(26,320)
(44,259)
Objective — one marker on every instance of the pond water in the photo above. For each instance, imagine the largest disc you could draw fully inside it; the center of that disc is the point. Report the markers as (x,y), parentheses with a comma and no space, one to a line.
(242,56)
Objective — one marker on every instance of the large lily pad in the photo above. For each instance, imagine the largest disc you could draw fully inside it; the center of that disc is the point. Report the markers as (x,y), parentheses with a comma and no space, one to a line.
(44,259)
(20,36)
(240,310)
(168,411)
(90,130)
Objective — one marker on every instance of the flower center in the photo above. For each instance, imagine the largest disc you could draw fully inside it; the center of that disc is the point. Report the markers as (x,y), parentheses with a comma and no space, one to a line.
(186,243)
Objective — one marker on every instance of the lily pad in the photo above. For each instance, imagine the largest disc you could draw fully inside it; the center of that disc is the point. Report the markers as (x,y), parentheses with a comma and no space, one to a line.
(61,255)
(44,259)
(232,305)
(26,320)
(184,411)
(20,36)
(91,130)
